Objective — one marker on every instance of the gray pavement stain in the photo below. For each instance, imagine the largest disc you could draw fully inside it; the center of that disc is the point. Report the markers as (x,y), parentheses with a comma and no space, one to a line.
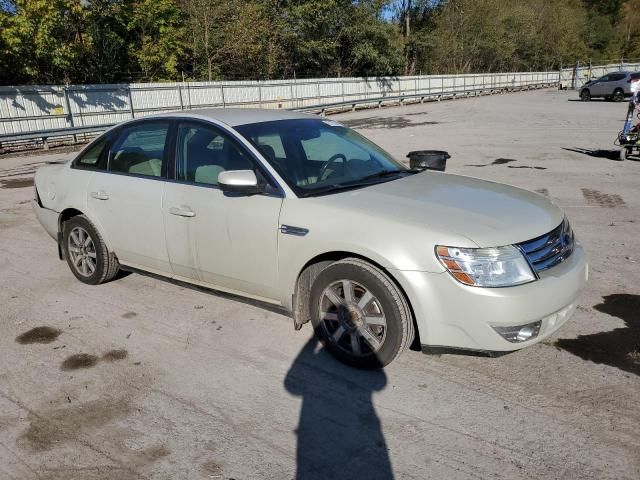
(385,122)
(78,361)
(594,197)
(620,347)
(51,428)
(212,468)
(115,355)
(129,315)
(16,183)
(39,335)
(86,360)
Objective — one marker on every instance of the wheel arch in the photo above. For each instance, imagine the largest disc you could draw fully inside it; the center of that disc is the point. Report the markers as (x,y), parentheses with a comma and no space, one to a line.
(311,269)
(70,212)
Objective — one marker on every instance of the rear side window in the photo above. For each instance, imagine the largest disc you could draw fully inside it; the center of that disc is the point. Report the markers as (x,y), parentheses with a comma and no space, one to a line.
(614,77)
(203,152)
(140,150)
(95,157)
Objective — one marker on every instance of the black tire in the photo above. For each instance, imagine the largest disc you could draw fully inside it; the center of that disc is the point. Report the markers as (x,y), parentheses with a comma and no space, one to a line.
(585,95)
(396,335)
(618,95)
(105,263)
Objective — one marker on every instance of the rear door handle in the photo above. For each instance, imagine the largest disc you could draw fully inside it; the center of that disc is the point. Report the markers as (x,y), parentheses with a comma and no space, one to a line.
(182,211)
(100,195)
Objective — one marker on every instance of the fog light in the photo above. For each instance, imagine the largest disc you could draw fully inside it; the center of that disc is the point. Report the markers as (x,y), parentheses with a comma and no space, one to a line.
(519,333)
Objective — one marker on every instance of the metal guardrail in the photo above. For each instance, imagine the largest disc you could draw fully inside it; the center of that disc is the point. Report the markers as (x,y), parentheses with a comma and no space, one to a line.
(44,136)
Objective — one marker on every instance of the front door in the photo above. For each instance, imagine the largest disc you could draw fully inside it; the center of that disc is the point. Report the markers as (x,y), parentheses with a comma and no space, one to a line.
(126,200)
(223,240)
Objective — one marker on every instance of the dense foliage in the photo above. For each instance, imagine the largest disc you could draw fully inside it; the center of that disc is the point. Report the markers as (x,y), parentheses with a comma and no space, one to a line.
(98,41)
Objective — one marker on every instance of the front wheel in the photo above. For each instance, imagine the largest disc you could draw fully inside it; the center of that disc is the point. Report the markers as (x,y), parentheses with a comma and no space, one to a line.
(618,95)
(359,314)
(86,253)
(585,95)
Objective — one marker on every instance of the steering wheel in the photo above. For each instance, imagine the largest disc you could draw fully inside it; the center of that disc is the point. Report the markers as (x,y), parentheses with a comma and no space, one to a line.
(330,162)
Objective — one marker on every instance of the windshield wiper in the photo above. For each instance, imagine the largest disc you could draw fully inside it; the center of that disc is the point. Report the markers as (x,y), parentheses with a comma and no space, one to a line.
(379,174)
(361,182)
(331,188)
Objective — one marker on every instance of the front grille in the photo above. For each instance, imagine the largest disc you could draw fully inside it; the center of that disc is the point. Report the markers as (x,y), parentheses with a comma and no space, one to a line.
(550,249)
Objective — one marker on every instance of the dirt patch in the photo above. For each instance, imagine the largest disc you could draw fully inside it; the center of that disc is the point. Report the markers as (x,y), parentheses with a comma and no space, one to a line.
(386,123)
(594,197)
(115,355)
(16,182)
(39,335)
(543,191)
(155,453)
(212,467)
(78,361)
(129,315)
(618,348)
(51,428)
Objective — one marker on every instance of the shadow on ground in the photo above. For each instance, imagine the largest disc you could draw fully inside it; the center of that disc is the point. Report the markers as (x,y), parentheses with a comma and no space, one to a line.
(339,433)
(608,154)
(618,348)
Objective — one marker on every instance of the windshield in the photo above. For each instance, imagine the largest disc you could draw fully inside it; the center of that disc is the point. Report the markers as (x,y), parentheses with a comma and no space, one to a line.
(319,156)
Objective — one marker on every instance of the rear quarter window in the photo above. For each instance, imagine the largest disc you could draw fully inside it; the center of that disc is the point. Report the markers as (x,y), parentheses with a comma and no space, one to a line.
(95,157)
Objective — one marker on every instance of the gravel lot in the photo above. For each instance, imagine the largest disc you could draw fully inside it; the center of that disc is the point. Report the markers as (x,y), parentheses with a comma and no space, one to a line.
(142,378)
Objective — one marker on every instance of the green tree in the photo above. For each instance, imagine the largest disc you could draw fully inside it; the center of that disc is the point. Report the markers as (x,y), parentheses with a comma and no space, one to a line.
(156,38)
(42,41)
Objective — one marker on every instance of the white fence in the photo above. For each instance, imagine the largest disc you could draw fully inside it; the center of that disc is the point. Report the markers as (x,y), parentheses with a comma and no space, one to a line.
(578,75)
(38,108)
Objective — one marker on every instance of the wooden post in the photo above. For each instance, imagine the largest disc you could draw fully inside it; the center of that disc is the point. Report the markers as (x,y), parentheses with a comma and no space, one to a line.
(133,114)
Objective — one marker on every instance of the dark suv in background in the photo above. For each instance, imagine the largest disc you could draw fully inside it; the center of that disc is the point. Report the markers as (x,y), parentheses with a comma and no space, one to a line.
(612,86)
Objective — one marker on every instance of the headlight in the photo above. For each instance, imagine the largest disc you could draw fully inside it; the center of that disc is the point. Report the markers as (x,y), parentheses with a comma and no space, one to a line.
(486,267)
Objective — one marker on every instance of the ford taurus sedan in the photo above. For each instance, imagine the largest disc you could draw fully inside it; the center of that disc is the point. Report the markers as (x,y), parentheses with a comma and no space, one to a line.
(305,213)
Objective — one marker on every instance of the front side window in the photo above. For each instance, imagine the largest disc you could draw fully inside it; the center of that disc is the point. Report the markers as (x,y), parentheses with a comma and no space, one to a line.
(204,151)
(140,150)
(316,156)
(95,157)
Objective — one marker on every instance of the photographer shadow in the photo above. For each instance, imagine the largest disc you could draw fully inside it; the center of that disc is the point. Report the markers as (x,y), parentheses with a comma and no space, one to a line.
(339,433)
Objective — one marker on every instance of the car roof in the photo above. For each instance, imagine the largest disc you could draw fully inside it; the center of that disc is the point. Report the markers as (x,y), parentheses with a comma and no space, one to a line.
(242,116)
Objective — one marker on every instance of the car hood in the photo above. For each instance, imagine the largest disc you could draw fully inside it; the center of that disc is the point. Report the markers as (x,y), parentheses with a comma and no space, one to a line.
(487,213)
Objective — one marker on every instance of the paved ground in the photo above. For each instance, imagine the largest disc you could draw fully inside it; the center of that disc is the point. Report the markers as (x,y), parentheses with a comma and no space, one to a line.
(175,383)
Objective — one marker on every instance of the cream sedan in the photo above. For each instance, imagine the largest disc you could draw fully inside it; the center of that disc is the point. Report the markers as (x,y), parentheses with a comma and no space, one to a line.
(303,212)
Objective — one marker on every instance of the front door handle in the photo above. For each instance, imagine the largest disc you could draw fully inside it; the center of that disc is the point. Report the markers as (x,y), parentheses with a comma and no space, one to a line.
(100,195)
(183,211)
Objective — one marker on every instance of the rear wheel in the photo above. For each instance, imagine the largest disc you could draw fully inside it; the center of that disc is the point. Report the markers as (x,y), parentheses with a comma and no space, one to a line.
(618,95)
(86,253)
(585,95)
(359,314)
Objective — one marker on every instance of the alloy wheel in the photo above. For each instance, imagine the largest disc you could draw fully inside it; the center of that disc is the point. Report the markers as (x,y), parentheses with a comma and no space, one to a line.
(352,318)
(82,251)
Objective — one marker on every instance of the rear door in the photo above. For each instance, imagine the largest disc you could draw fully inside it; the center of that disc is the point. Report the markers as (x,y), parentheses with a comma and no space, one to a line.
(599,86)
(126,200)
(223,240)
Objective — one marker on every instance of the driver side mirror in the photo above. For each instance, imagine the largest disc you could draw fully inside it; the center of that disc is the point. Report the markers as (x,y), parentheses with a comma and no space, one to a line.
(239,181)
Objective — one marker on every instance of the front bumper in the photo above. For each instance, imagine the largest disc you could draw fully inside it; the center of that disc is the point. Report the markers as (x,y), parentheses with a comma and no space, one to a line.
(449,314)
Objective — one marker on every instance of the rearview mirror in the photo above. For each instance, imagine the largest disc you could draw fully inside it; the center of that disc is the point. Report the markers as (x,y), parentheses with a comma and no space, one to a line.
(239,181)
